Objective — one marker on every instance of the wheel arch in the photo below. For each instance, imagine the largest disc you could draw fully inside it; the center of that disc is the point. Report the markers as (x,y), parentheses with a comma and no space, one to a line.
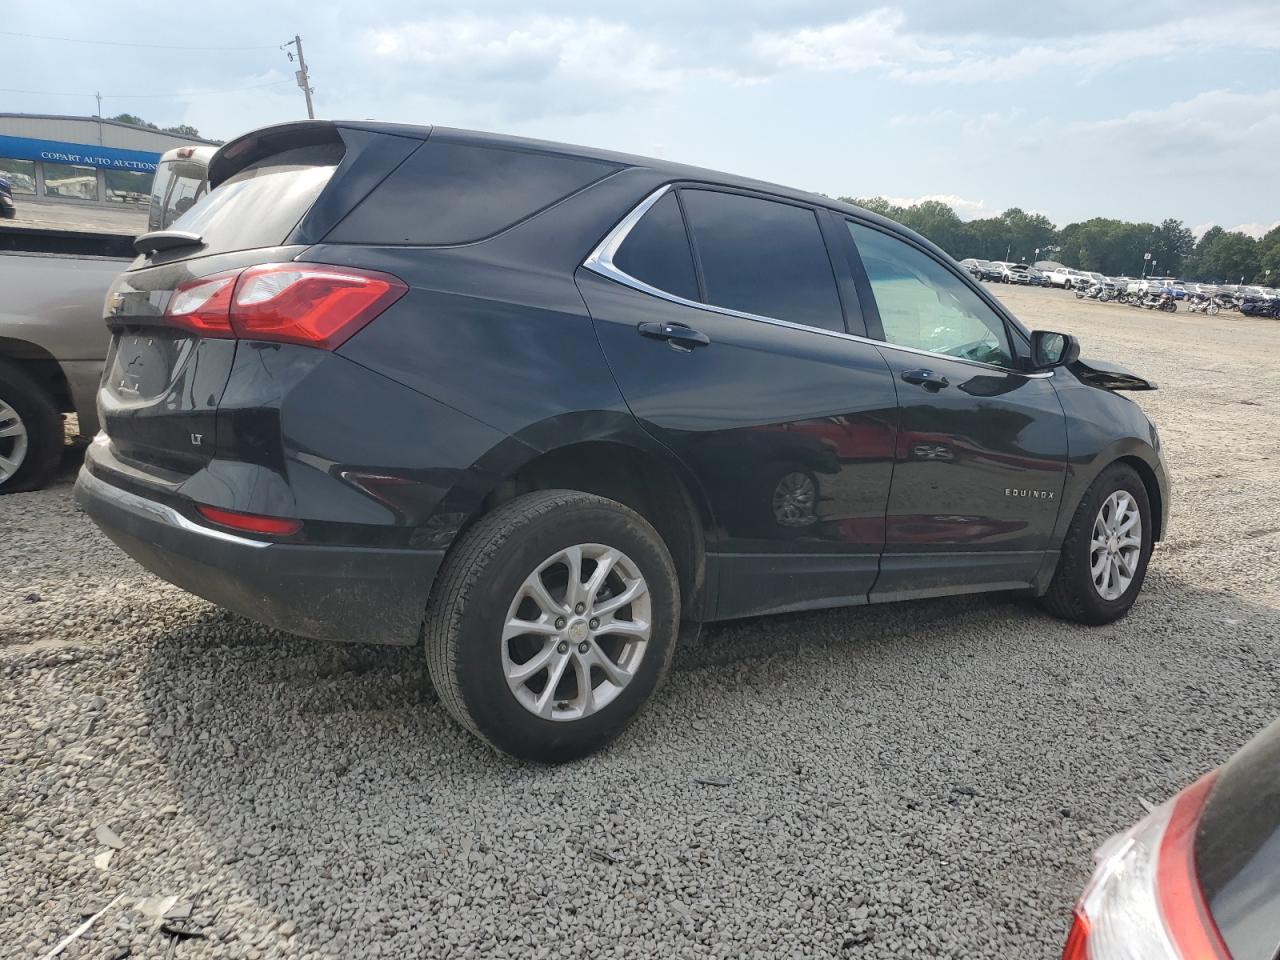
(653,484)
(42,367)
(1154,492)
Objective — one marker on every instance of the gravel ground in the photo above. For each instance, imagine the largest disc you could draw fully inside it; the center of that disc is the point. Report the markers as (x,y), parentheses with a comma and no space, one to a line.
(908,780)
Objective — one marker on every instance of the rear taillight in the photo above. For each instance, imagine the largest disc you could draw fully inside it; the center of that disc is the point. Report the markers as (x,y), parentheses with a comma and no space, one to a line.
(204,306)
(314,305)
(1144,901)
(305,303)
(249,522)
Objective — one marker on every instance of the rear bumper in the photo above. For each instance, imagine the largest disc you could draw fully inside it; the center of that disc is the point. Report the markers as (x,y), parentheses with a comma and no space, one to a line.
(361,594)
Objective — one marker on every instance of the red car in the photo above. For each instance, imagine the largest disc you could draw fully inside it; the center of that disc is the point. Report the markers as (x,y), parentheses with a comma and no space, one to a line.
(1199,878)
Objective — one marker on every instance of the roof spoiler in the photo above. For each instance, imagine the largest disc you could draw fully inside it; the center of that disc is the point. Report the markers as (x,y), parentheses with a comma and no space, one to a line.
(235,155)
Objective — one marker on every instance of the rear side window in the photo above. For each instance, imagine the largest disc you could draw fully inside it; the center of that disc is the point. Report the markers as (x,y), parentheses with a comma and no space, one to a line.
(260,205)
(449,193)
(763,257)
(656,251)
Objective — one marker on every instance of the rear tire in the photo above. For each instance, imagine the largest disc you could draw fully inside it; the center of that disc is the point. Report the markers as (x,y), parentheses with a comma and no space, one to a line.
(31,432)
(545,694)
(1075,592)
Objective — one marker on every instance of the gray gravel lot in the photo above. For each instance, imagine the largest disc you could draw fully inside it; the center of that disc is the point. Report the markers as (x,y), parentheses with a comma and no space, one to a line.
(908,780)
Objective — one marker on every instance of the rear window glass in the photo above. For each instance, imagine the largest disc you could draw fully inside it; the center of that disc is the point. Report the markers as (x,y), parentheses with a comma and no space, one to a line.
(450,193)
(260,205)
(763,257)
(656,251)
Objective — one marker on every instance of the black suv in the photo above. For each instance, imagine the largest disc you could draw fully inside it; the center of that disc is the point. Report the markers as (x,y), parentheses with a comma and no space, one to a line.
(543,405)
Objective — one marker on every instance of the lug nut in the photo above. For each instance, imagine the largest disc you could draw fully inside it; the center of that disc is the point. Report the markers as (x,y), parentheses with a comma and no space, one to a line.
(595,623)
(562,646)
(579,608)
(583,647)
(560,622)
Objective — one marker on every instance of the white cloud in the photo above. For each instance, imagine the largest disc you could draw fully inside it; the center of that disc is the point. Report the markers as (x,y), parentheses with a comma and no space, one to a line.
(966,208)
(874,40)
(884,40)
(1218,132)
(545,64)
(1255,230)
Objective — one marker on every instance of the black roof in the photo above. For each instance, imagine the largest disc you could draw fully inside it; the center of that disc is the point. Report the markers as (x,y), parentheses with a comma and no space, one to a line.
(247,148)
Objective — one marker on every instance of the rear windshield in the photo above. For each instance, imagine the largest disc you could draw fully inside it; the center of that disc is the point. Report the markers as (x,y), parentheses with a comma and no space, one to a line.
(260,205)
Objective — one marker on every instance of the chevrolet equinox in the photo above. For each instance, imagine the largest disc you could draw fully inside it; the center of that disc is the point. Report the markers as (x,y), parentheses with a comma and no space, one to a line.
(545,409)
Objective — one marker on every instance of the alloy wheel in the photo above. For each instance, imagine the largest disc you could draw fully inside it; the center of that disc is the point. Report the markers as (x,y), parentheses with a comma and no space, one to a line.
(576,631)
(1116,545)
(13,441)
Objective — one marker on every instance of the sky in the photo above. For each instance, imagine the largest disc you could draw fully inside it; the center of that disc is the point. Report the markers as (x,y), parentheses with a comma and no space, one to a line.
(1075,110)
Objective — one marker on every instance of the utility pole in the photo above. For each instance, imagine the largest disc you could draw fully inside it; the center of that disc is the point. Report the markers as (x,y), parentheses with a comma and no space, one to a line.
(304,79)
(99,97)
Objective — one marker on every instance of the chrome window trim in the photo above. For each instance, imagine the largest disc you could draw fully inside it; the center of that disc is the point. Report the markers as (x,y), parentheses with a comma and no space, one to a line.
(600,261)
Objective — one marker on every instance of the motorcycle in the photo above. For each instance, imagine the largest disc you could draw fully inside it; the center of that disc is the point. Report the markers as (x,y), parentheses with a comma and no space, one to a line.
(1260,306)
(1202,303)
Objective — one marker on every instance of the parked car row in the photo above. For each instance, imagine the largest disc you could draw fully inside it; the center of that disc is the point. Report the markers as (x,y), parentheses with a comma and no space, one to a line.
(1165,293)
(1001,271)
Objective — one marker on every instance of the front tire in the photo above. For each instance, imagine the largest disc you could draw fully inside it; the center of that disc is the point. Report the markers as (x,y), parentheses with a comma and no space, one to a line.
(31,432)
(1104,557)
(553,622)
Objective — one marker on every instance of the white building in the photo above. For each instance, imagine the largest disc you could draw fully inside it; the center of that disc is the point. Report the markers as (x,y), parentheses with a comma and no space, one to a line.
(81,161)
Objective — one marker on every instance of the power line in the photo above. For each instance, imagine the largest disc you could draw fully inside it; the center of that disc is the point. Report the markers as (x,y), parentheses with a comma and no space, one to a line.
(123,43)
(147,96)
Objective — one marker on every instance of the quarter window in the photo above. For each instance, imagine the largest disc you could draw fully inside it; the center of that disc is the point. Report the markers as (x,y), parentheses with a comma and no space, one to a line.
(656,250)
(924,305)
(763,257)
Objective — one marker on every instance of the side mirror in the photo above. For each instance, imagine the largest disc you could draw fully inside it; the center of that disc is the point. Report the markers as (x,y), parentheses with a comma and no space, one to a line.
(1049,350)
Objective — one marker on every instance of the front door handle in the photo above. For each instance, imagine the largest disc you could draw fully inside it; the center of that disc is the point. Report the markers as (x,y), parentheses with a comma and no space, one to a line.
(676,334)
(926,378)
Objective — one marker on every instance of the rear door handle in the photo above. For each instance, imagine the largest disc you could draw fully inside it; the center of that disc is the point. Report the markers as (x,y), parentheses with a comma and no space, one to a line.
(676,334)
(925,378)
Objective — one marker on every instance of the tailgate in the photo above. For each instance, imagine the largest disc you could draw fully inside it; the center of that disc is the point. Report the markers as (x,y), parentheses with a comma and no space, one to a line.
(161,384)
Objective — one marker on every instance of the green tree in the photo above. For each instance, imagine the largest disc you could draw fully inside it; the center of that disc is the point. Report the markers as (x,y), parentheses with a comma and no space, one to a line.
(1172,244)
(1113,247)
(1269,258)
(134,121)
(939,223)
(876,205)
(1027,233)
(1226,256)
(181,129)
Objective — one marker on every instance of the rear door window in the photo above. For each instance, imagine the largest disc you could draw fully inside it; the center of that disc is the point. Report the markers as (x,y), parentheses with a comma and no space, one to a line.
(260,205)
(656,251)
(763,257)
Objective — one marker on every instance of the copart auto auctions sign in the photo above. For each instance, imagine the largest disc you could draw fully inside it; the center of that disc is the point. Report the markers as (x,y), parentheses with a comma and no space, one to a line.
(54,151)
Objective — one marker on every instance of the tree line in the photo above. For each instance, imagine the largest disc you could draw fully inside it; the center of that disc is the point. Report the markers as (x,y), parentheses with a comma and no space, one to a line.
(182,129)
(1111,247)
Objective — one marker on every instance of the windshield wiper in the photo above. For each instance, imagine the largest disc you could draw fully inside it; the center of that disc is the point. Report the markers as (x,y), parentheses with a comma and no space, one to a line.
(158,240)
